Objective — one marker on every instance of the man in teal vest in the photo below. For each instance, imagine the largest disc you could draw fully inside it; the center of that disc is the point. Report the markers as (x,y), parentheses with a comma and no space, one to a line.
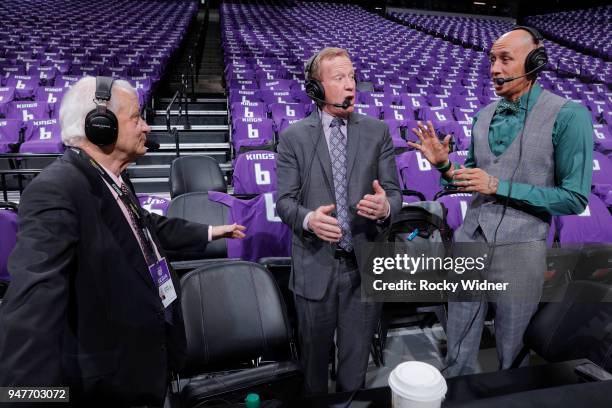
(530,158)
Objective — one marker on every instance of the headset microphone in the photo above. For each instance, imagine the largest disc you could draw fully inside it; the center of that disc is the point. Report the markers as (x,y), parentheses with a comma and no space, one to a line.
(501,81)
(346,103)
(151,145)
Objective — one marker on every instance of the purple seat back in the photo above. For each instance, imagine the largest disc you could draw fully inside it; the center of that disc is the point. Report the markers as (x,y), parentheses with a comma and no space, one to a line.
(42,136)
(417,173)
(154,204)
(8,238)
(457,205)
(592,226)
(255,172)
(251,132)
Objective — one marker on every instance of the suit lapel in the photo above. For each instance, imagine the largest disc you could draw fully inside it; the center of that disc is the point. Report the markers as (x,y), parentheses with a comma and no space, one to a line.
(114,218)
(353,142)
(316,133)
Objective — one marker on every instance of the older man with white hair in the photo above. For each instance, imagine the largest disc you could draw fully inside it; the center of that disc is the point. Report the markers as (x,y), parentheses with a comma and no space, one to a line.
(93,304)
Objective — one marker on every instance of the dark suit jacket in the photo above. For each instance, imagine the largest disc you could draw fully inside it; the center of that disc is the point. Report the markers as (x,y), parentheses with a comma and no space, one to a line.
(82,310)
(369,157)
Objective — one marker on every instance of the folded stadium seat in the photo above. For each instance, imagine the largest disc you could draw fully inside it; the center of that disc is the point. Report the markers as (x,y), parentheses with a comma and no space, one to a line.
(25,86)
(8,71)
(198,208)
(195,174)
(271,74)
(396,130)
(277,85)
(456,204)
(458,156)
(244,96)
(378,99)
(240,75)
(66,81)
(252,132)
(153,203)
(464,114)
(45,74)
(7,95)
(248,110)
(8,237)
(42,136)
(10,135)
(369,110)
(255,172)
(243,84)
(288,111)
(602,138)
(266,235)
(436,114)
(413,101)
(276,97)
(51,95)
(241,300)
(575,327)
(591,226)
(602,175)
(416,173)
(397,112)
(28,111)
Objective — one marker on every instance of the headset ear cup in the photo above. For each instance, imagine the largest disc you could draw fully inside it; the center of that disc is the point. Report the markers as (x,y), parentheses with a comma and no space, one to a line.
(536,60)
(314,89)
(101,127)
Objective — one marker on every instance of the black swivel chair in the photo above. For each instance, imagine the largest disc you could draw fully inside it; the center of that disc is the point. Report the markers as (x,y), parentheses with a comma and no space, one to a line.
(235,319)
(197,207)
(579,326)
(195,173)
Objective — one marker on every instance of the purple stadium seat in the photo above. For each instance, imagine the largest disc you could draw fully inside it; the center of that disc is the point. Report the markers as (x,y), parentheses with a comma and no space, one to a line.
(272,97)
(592,226)
(267,235)
(375,99)
(248,110)
(464,114)
(244,95)
(28,111)
(395,129)
(153,203)
(369,110)
(9,134)
(25,86)
(289,111)
(602,174)
(413,101)
(8,238)
(436,114)
(251,132)
(416,173)
(7,95)
(459,156)
(398,112)
(255,172)
(42,136)
(51,95)
(284,124)
(602,138)
(457,205)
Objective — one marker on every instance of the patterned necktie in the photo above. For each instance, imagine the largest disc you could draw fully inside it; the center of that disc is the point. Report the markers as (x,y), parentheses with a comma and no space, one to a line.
(149,256)
(509,107)
(338,159)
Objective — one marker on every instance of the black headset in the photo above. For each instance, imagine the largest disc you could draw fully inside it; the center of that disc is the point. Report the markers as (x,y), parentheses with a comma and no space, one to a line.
(536,60)
(101,126)
(314,87)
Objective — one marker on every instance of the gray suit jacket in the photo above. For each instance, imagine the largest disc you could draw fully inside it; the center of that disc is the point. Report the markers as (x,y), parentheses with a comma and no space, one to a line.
(369,157)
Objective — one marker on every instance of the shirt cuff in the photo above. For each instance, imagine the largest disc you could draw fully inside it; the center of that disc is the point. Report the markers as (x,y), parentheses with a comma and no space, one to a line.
(305,222)
(210,233)
(503,188)
(381,220)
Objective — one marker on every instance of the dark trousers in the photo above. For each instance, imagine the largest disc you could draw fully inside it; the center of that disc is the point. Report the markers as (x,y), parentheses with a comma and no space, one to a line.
(341,311)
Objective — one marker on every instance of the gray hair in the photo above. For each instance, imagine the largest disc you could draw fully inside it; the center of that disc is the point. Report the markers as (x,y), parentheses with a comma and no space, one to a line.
(78,102)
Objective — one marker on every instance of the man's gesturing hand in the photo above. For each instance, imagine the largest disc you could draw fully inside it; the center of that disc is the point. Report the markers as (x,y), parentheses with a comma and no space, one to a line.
(228,231)
(324,225)
(430,146)
(374,206)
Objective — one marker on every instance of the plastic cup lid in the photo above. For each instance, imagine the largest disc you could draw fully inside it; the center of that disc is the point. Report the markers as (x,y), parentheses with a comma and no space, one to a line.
(417,381)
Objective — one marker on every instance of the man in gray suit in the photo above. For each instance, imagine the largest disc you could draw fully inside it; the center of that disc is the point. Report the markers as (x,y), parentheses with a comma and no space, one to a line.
(337,188)
(518,185)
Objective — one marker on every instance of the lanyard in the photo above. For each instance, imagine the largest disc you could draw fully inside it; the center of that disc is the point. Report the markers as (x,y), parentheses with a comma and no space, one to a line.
(126,199)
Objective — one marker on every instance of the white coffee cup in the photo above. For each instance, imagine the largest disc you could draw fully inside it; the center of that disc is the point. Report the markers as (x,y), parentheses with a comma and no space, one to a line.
(416,385)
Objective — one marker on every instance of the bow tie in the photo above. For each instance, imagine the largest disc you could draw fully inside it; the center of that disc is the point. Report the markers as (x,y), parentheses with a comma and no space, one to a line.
(505,106)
